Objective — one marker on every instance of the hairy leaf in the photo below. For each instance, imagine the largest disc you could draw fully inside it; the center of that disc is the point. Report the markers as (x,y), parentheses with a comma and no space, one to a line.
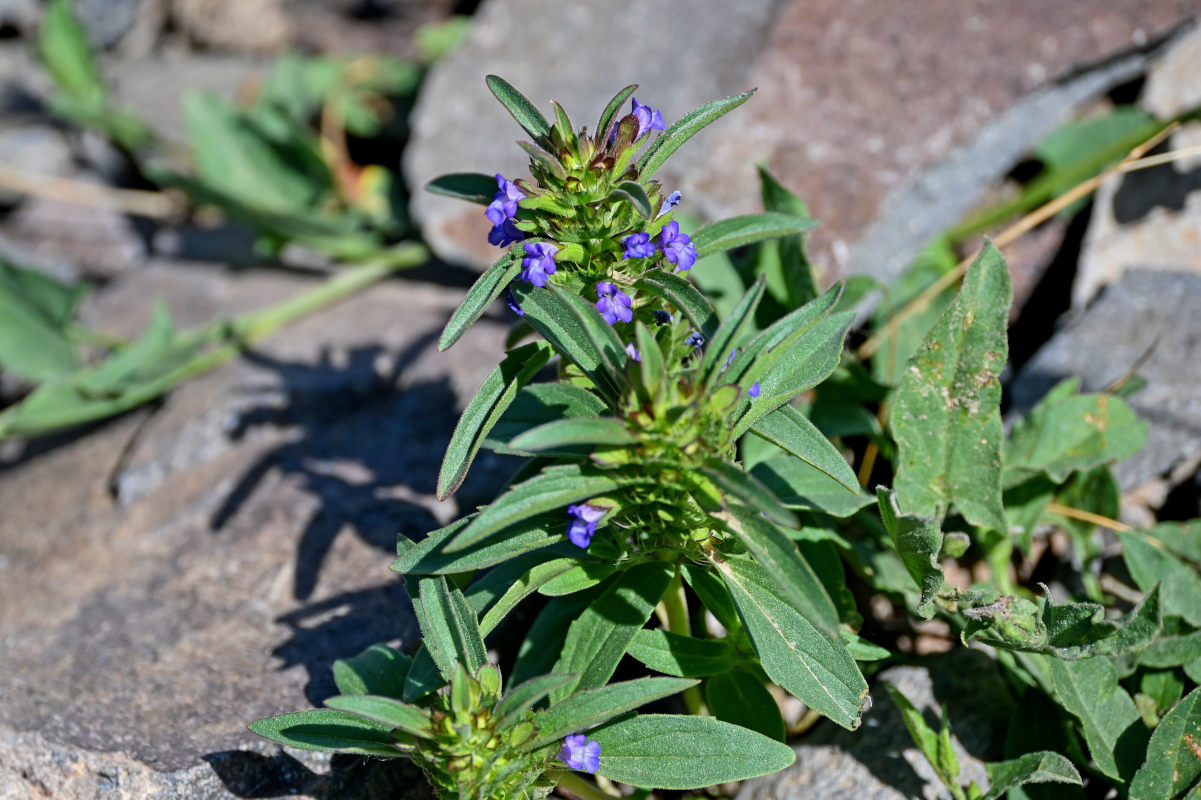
(738,697)
(918,541)
(593,706)
(471,186)
(526,114)
(379,670)
(1089,690)
(450,628)
(684,296)
(1173,764)
(800,485)
(1041,767)
(734,232)
(326,729)
(682,656)
(481,295)
(386,710)
(684,129)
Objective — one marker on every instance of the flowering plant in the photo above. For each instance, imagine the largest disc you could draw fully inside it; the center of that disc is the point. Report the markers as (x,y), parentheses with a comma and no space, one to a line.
(682,505)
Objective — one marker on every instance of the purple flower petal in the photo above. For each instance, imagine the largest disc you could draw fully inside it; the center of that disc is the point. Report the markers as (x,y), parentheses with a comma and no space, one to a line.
(754,391)
(633,353)
(638,245)
(579,753)
(583,524)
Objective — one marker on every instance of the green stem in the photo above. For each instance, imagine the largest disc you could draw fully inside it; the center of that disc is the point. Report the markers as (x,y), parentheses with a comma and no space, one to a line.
(231,337)
(574,783)
(675,607)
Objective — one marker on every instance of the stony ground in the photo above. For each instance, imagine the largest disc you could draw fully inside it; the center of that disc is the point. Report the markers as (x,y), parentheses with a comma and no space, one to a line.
(172,574)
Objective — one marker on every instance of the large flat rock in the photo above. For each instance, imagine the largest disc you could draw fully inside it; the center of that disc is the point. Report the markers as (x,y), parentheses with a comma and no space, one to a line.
(177,573)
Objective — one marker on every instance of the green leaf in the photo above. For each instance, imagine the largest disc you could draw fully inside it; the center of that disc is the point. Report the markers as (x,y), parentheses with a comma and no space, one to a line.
(606,117)
(378,670)
(541,403)
(451,631)
(777,554)
(526,114)
(385,710)
(684,296)
(682,656)
(1173,764)
(598,638)
(791,430)
(578,332)
(712,592)
(601,431)
(684,129)
(930,744)
(734,232)
(519,698)
(660,751)
(66,54)
(577,579)
(738,697)
(1041,767)
(918,541)
(472,186)
(802,486)
(433,556)
(946,416)
(633,191)
(544,639)
(34,313)
(1068,432)
(423,676)
(740,485)
(553,488)
(731,331)
(1151,563)
(592,706)
(799,282)
(481,295)
(326,729)
(524,586)
(1177,644)
(810,664)
(485,409)
(1089,690)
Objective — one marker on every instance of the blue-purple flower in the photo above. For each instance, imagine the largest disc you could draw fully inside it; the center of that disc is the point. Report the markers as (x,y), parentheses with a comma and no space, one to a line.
(633,353)
(579,753)
(671,202)
(539,263)
(512,303)
(501,211)
(638,245)
(613,304)
(662,317)
(648,119)
(505,233)
(754,391)
(729,360)
(677,247)
(695,339)
(583,525)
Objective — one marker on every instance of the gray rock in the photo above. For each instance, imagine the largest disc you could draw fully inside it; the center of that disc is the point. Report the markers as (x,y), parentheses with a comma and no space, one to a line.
(247,546)
(34,149)
(1172,87)
(258,26)
(879,761)
(683,53)
(1145,312)
(22,15)
(108,21)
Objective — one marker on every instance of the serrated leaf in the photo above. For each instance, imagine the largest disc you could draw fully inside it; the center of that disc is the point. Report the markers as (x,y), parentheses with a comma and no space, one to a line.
(526,114)
(734,232)
(326,729)
(658,751)
(684,296)
(791,430)
(481,295)
(810,664)
(1173,763)
(599,431)
(777,554)
(378,670)
(474,187)
(598,638)
(684,129)
(802,486)
(1068,432)
(553,488)
(451,631)
(385,710)
(1042,767)
(1089,690)
(682,656)
(593,706)
(946,415)
(918,541)
(485,409)
(738,697)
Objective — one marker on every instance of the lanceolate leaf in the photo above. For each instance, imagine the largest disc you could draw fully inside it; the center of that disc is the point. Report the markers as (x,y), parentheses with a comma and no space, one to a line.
(541,403)
(594,706)
(386,710)
(799,283)
(684,296)
(777,554)
(1042,767)
(519,698)
(523,587)
(486,407)
(634,192)
(810,664)
(682,656)
(472,186)
(918,541)
(1089,690)
(790,429)
(481,294)
(743,488)
(604,431)
(1173,764)
(378,670)
(34,313)
(946,417)
(554,488)
(803,486)
(740,698)
(734,232)
(326,729)
(681,752)
(526,114)
(606,117)
(718,349)
(598,638)
(431,556)
(451,631)
(684,129)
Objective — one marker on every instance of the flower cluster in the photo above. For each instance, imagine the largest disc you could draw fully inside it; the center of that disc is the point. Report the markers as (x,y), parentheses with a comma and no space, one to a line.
(613,304)
(502,213)
(677,247)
